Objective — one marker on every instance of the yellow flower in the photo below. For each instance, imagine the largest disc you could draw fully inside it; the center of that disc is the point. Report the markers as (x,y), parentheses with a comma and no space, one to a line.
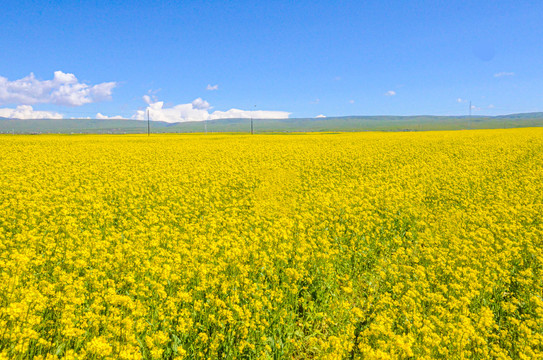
(325,246)
(99,346)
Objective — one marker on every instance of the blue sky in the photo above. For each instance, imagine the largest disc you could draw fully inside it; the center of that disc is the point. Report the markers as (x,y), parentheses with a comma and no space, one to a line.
(306,58)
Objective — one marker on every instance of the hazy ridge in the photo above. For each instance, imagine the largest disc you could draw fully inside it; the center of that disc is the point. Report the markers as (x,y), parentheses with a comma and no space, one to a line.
(344,123)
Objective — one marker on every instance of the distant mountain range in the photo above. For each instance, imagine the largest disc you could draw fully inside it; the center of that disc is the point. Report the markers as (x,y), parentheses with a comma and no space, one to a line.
(344,123)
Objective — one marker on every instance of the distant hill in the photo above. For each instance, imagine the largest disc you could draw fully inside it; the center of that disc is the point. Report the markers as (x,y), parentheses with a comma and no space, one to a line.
(533,115)
(345,123)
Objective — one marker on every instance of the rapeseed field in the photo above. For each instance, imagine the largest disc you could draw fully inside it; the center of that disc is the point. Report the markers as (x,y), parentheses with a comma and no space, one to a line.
(309,246)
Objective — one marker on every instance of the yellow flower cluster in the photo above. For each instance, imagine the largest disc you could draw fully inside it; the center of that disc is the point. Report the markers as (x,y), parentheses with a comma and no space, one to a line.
(329,246)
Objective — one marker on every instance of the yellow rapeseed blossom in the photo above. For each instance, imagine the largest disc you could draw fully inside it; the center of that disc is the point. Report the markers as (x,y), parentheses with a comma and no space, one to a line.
(322,246)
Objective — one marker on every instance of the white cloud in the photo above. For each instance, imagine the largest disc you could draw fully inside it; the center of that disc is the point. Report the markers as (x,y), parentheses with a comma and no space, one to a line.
(178,113)
(491,106)
(504,73)
(320,116)
(212,87)
(351,101)
(63,89)
(316,101)
(150,97)
(105,117)
(200,104)
(198,111)
(27,112)
(390,93)
(460,100)
(147,99)
(245,114)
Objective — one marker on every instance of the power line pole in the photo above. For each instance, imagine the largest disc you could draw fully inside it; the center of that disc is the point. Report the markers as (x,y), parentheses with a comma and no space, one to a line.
(148,124)
(252,115)
(469,117)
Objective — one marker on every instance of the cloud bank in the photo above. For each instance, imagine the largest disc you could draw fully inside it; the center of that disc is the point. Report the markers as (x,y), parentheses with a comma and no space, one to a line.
(198,110)
(64,89)
(100,116)
(27,112)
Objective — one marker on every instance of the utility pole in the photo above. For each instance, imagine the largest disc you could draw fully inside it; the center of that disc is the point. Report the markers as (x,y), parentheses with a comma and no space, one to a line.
(148,124)
(252,113)
(469,117)
(251,123)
